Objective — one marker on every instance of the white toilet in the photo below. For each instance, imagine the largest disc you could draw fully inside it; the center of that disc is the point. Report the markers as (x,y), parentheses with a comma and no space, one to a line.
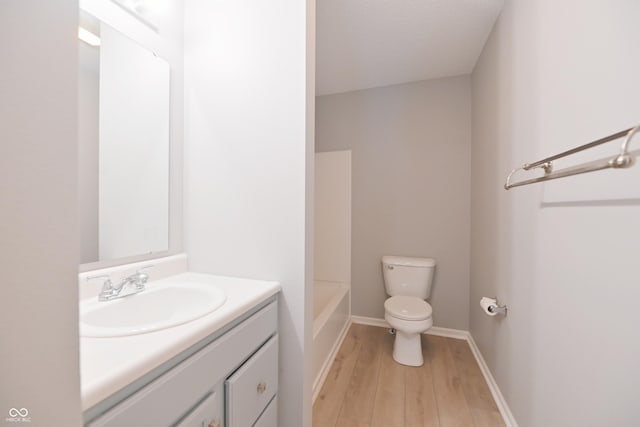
(408,283)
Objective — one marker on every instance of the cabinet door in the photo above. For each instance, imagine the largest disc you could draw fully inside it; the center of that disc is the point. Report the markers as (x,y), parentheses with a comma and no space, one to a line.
(269,417)
(209,413)
(250,389)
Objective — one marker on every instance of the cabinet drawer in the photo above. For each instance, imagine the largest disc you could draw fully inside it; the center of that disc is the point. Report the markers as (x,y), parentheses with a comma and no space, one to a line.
(269,417)
(210,412)
(251,388)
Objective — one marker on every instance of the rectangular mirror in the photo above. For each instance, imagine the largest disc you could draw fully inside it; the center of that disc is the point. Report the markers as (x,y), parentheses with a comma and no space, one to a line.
(124,145)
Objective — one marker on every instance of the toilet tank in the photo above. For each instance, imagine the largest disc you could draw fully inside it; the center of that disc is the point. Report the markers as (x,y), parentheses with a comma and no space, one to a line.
(408,276)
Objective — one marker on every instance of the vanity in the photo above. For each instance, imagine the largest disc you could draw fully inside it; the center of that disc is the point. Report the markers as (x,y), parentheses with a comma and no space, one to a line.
(184,349)
(220,369)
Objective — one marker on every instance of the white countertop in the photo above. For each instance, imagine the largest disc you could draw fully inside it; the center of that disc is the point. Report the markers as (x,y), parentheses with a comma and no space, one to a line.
(110,364)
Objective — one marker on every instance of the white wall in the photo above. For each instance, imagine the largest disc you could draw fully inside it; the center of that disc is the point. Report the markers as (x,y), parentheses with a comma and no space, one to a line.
(332,217)
(249,163)
(554,75)
(410,164)
(39,245)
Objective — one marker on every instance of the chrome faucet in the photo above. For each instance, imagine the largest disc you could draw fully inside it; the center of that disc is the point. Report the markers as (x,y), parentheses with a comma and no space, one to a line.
(136,281)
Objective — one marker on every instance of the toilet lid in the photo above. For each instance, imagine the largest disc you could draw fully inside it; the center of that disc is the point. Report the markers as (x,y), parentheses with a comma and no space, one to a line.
(408,308)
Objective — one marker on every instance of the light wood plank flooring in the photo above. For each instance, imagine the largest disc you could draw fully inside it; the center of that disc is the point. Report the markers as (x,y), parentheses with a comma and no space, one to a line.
(366,388)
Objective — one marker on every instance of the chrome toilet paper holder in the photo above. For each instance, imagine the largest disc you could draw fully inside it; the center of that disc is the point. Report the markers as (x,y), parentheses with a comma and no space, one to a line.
(500,309)
(491,307)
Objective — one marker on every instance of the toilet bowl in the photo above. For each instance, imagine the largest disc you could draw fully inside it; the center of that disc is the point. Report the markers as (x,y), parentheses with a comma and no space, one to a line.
(410,317)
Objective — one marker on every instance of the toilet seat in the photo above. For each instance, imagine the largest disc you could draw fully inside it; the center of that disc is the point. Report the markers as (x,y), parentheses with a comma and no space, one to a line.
(408,308)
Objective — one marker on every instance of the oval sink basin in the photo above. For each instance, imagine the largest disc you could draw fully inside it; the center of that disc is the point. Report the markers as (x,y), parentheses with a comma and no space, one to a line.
(157,307)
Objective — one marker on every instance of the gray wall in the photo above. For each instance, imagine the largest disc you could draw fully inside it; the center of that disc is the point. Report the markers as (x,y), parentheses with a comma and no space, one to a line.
(39,244)
(554,75)
(411,158)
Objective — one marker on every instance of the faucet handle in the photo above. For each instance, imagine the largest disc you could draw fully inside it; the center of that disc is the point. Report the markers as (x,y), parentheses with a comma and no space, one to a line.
(108,291)
(142,278)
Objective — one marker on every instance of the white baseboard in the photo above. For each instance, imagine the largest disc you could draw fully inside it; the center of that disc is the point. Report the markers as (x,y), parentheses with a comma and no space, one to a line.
(508,417)
(460,334)
(371,321)
(434,330)
(326,367)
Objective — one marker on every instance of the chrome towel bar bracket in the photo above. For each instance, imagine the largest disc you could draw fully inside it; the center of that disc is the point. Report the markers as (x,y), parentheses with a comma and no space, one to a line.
(623,160)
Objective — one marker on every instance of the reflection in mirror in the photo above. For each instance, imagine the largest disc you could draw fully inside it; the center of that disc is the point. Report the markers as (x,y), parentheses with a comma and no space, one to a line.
(124,145)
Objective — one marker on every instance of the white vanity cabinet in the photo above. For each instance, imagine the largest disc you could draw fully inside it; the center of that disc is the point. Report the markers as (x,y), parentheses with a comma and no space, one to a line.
(232,382)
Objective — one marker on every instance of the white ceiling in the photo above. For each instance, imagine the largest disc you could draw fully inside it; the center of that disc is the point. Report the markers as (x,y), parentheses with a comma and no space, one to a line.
(371,43)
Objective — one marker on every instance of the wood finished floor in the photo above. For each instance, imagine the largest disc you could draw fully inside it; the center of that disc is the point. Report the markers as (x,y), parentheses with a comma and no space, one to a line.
(366,388)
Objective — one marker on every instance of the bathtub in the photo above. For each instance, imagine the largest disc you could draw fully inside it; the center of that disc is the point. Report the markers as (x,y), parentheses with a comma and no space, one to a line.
(331,314)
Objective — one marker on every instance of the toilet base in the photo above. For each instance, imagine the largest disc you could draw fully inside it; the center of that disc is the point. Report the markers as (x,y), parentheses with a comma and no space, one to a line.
(407,345)
(407,349)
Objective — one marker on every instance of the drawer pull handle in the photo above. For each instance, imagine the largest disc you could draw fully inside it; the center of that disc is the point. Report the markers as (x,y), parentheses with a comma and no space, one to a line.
(262,387)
